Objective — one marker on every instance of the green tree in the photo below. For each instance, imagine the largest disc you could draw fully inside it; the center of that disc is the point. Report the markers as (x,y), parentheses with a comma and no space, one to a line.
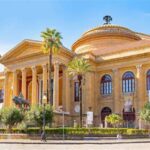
(145,112)
(11,117)
(36,114)
(51,44)
(114,119)
(79,67)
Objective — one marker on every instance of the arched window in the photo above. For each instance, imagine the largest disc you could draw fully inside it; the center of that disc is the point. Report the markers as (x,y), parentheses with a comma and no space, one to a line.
(128,82)
(148,80)
(76,91)
(106,85)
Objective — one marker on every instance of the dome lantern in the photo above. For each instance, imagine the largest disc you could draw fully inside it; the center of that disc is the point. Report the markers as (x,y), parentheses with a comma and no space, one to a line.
(107,19)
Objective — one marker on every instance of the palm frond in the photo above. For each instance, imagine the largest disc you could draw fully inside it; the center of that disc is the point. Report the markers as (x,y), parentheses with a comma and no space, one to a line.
(78,66)
(51,40)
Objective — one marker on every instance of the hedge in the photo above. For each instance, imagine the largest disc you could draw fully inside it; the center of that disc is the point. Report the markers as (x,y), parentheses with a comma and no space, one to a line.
(81,131)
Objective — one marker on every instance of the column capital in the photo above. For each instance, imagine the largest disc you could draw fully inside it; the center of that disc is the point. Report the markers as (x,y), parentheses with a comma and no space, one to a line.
(23,69)
(33,68)
(15,72)
(6,72)
(56,63)
(64,67)
(44,67)
(139,66)
(115,70)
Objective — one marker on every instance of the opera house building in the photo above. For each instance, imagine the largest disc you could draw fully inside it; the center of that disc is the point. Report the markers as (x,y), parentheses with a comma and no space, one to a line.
(118,81)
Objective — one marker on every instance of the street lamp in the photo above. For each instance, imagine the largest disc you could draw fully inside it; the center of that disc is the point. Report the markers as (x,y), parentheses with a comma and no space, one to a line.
(61,111)
(43,135)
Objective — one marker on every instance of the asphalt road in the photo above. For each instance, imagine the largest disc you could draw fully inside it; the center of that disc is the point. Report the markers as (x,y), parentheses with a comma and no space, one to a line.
(127,146)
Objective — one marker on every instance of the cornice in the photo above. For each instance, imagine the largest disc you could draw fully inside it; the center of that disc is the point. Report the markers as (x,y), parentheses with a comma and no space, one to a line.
(126,50)
(126,61)
(8,57)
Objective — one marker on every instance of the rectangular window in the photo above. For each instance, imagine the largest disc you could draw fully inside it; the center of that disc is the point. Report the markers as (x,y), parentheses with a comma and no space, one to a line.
(133,87)
(1,95)
(76,91)
(107,88)
(130,85)
(127,88)
(110,87)
(101,88)
(123,86)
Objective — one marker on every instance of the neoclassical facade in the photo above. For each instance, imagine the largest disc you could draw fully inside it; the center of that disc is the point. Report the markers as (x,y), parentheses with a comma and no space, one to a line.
(119,80)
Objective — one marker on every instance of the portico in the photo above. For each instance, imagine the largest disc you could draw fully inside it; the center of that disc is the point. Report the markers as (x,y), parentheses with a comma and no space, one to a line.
(30,77)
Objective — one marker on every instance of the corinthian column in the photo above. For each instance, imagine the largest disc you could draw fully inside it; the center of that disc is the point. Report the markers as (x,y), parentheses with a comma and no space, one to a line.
(15,83)
(6,100)
(64,88)
(139,103)
(44,78)
(24,74)
(56,86)
(116,90)
(66,91)
(34,86)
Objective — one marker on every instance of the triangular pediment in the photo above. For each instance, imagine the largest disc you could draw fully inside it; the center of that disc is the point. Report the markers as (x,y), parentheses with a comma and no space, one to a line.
(23,49)
(29,49)
(27,52)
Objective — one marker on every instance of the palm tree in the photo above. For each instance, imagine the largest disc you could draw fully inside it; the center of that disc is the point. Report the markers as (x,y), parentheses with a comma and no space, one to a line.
(78,67)
(51,44)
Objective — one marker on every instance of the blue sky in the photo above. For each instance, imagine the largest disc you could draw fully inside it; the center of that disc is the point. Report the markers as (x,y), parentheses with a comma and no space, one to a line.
(25,19)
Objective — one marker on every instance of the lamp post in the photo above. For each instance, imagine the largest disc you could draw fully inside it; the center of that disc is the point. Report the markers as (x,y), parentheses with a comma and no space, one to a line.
(43,135)
(63,120)
(79,79)
(61,111)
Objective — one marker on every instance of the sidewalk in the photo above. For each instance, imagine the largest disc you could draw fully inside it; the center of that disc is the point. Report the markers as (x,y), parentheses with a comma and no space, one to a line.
(87,141)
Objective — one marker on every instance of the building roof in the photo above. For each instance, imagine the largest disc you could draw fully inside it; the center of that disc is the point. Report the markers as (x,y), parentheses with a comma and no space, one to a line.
(107,29)
(107,39)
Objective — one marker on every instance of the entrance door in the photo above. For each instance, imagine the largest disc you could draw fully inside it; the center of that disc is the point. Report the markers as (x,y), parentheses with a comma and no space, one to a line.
(106,111)
(129,118)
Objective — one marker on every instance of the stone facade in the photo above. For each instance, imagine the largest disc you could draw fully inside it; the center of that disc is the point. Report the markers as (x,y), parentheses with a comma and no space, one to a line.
(111,50)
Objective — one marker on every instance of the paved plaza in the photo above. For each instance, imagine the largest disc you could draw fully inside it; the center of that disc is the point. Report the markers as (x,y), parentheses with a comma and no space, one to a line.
(128,144)
(131,146)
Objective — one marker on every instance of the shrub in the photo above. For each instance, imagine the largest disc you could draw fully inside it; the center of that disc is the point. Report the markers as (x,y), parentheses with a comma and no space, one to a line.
(11,117)
(114,119)
(36,114)
(145,113)
(0,116)
(137,132)
(81,131)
